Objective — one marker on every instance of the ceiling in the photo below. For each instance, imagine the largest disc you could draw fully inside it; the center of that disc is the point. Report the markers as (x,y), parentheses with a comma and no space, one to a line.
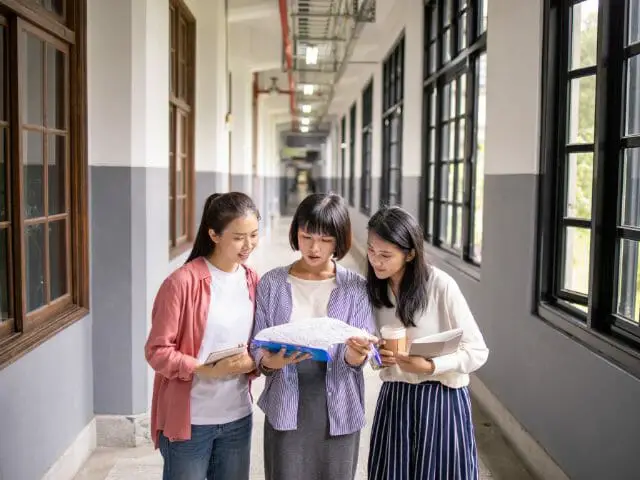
(333,44)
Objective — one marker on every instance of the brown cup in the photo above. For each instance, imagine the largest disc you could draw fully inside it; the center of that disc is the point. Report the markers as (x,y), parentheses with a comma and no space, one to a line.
(395,339)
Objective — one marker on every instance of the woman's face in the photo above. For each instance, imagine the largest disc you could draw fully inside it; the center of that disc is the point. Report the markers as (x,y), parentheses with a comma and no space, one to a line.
(238,240)
(316,249)
(386,258)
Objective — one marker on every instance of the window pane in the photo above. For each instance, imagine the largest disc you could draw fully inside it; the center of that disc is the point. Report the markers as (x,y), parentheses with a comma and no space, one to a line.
(460,182)
(446,45)
(634,21)
(483,16)
(432,145)
(180,226)
(582,94)
(433,58)
(458,239)
(579,184)
(56,107)
(577,243)
(629,280)
(461,138)
(430,219)
(631,188)
(179,175)
(633,96)
(56,163)
(584,34)
(3,176)
(462,31)
(434,22)
(478,192)
(33,174)
(34,263)
(444,182)
(4,274)
(33,87)
(58,258)
(55,6)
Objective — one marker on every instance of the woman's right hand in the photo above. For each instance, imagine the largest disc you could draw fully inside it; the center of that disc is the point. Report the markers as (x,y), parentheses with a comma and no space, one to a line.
(277,361)
(387,357)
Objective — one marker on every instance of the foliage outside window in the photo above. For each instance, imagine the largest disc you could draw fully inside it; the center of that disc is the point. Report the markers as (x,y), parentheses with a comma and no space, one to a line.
(43,166)
(590,240)
(454,120)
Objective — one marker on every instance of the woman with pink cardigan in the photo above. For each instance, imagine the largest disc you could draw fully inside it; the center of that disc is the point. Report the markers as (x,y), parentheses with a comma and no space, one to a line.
(201,415)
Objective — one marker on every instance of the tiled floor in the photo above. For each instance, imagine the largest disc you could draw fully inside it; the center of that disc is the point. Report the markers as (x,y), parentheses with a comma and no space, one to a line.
(143,463)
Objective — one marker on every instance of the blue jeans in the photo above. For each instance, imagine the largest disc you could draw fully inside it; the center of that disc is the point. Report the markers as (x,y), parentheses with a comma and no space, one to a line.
(215,452)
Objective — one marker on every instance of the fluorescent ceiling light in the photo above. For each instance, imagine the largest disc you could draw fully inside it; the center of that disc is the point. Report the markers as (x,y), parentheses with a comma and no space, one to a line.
(307,89)
(305,121)
(304,129)
(306,108)
(311,55)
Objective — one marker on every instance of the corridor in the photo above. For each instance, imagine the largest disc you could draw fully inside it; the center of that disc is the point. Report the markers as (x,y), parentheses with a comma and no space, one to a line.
(143,463)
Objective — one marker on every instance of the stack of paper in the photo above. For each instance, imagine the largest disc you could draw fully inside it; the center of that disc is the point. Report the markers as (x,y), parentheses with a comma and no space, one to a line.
(315,336)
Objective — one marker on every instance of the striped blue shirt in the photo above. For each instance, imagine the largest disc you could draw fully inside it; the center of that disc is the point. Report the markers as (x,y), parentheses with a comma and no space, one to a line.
(344,384)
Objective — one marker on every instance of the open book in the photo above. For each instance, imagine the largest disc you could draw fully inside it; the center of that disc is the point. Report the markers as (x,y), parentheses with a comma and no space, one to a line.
(315,336)
(215,357)
(437,345)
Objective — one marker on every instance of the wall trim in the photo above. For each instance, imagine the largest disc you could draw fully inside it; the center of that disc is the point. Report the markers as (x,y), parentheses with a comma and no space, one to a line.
(122,431)
(72,460)
(532,454)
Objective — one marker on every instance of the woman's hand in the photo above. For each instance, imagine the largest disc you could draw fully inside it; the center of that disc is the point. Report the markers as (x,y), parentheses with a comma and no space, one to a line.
(277,361)
(234,365)
(357,350)
(414,364)
(387,357)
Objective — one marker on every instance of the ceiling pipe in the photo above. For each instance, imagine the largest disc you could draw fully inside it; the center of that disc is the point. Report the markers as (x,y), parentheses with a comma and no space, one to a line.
(288,52)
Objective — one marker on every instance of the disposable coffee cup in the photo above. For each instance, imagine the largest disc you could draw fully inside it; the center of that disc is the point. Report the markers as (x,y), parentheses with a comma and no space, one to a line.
(395,339)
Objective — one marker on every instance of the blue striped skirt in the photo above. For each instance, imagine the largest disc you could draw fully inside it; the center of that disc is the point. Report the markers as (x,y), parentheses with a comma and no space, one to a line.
(423,432)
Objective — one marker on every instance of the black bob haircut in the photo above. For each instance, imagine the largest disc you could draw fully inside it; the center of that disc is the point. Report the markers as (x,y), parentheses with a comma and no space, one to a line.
(323,214)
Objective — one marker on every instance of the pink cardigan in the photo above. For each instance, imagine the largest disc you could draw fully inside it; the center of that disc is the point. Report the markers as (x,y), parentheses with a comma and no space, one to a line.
(178,322)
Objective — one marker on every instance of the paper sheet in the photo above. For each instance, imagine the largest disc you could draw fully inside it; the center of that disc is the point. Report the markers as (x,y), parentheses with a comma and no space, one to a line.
(320,332)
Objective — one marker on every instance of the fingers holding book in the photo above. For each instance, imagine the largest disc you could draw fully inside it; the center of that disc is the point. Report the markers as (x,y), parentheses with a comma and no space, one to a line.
(277,361)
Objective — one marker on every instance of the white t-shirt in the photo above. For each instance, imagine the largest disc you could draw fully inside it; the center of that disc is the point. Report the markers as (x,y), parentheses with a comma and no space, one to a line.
(230,320)
(310,298)
(446,309)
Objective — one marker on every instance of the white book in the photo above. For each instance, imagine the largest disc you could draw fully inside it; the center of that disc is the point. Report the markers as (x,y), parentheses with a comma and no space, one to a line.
(215,357)
(437,345)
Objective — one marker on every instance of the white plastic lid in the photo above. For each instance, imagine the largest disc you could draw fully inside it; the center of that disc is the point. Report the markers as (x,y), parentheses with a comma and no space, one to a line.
(392,333)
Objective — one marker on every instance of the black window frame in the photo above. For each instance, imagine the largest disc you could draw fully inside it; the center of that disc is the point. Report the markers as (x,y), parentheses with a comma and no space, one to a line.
(367,149)
(392,106)
(600,327)
(352,155)
(343,156)
(462,34)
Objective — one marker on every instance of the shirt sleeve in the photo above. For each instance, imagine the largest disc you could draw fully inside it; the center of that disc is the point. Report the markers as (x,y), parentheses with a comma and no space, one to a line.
(472,352)
(161,350)
(262,319)
(362,318)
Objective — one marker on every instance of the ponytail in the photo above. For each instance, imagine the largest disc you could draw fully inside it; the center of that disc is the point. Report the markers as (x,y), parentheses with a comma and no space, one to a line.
(219,210)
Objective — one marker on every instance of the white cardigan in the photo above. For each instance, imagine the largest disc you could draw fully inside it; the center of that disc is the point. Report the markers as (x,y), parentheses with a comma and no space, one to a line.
(446,309)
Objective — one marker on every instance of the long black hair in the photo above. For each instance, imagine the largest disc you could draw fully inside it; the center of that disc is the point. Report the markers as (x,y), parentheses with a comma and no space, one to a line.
(220,209)
(397,226)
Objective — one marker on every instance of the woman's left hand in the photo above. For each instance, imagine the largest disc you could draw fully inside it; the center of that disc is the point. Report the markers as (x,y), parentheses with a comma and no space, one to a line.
(358,350)
(414,364)
(236,365)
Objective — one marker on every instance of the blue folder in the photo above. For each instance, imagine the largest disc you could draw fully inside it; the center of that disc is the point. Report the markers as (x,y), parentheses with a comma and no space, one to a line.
(317,354)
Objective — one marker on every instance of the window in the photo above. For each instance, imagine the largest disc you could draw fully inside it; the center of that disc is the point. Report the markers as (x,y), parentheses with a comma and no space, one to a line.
(392,98)
(343,156)
(590,231)
(181,128)
(367,142)
(352,155)
(454,114)
(43,173)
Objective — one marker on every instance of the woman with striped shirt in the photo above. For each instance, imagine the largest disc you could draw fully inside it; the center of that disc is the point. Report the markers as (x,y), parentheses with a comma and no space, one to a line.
(422,428)
(314,410)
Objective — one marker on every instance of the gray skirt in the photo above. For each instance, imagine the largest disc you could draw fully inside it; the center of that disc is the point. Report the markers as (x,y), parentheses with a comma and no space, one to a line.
(310,453)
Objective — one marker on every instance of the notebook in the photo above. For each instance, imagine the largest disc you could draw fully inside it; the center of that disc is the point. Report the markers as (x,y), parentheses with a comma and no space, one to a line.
(437,345)
(215,357)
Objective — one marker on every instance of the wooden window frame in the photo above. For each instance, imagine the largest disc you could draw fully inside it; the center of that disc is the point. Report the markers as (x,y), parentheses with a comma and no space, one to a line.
(392,105)
(27,330)
(591,318)
(455,39)
(181,105)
